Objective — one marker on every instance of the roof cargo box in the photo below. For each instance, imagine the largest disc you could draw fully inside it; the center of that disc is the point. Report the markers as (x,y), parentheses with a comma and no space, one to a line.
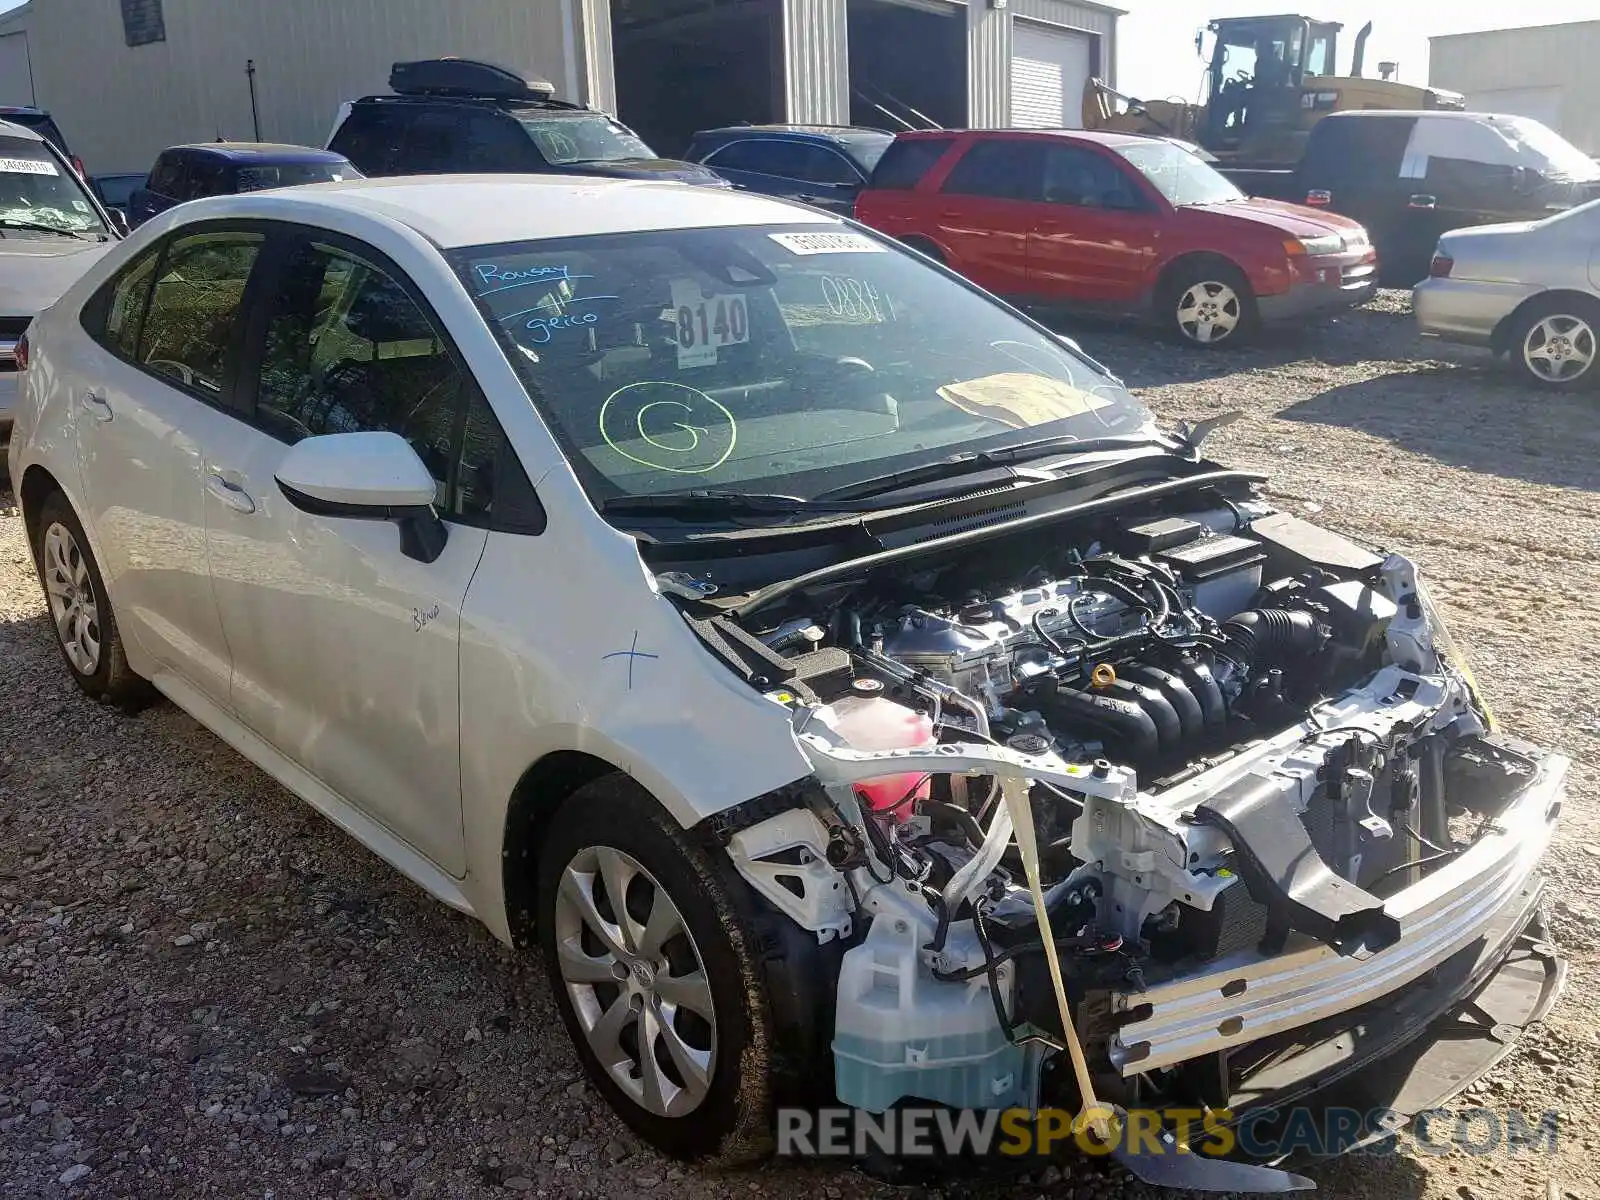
(464,77)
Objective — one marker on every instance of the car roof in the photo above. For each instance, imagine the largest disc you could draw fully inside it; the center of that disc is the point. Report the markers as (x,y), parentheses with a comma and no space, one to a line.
(10,129)
(1098,136)
(819,132)
(258,152)
(482,210)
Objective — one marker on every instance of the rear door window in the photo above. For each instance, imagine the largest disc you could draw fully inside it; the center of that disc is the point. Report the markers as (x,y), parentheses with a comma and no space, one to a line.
(432,142)
(905,162)
(763,156)
(189,327)
(1001,169)
(209,177)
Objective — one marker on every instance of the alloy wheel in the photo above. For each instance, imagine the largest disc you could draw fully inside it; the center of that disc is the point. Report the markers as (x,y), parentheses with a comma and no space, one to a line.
(636,980)
(71,596)
(1559,348)
(1209,312)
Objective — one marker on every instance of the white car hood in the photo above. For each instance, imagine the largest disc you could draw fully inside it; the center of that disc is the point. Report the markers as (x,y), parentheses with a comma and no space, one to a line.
(35,271)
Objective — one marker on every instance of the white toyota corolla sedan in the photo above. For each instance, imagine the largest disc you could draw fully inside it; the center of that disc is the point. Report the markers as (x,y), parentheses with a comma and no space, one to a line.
(838,675)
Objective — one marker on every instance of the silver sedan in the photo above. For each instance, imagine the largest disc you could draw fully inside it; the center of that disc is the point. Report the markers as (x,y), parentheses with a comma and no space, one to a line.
(1530,290)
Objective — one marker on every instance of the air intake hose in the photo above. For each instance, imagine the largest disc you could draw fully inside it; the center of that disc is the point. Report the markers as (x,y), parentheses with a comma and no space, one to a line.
(1263,636)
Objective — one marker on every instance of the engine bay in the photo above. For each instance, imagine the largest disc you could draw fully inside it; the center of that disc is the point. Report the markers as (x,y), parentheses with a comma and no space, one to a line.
(1232,733)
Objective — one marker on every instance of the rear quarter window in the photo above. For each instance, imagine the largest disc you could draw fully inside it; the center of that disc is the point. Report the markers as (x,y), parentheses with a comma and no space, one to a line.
(904,163)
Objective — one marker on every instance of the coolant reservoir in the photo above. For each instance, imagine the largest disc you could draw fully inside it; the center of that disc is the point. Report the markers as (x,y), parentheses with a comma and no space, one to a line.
(869,720)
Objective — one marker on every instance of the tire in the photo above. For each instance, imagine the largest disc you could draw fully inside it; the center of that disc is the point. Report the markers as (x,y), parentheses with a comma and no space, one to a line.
(80,609)
(710,1101)
(1209,304)
(1555,343)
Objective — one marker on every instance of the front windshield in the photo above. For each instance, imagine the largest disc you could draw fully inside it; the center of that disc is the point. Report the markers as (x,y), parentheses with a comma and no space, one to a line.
(259,179)
(1182,177)
(36,190)
(769,359)
(1548,152)
(590,137)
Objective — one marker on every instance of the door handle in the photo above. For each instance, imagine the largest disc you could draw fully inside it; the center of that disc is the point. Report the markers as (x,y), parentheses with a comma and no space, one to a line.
(96,405)
(231,494)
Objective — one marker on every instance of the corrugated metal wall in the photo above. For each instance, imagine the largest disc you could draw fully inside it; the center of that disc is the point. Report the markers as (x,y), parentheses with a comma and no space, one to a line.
(817,83)
(989,50)
(817,61)
(1508,61)
(119,107)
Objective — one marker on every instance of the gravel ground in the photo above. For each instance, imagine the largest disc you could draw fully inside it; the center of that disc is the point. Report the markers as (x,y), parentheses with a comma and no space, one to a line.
(205,990)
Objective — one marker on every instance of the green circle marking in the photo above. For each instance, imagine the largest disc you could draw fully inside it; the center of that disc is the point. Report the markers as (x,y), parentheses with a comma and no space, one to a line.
(667,441)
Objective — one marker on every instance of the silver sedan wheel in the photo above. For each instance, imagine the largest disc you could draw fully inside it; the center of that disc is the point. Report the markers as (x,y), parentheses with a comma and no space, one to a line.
(71,595)
(1559,348)
(636,981)
(1209,312)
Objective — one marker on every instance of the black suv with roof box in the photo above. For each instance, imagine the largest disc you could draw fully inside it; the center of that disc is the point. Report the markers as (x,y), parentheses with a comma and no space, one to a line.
(451,116)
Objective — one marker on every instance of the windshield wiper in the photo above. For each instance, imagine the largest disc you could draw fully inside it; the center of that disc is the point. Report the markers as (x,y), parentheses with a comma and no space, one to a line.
(978,460)
(716,502)
(41,227)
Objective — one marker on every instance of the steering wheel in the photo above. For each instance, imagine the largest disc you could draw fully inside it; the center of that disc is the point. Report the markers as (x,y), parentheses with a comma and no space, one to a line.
(184,372)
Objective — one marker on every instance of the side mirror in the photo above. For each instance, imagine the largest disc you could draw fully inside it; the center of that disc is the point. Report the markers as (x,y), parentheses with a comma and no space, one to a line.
(119,222)
(366,477)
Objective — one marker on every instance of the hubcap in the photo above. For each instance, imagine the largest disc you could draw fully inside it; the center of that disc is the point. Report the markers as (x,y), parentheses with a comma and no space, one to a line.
(71,596)
(1559,348)
(636,980)
(1209,312)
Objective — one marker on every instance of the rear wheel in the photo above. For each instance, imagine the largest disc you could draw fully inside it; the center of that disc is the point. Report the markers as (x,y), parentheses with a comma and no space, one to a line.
(649,947)
(1210,305)
(1556,343)
(80,609)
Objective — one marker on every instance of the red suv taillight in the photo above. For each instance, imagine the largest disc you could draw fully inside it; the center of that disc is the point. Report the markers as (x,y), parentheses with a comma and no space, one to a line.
(1441,266)
(20,353)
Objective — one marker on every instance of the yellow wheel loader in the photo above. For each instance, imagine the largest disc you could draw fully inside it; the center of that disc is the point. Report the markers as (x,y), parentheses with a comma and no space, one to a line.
(1268,81)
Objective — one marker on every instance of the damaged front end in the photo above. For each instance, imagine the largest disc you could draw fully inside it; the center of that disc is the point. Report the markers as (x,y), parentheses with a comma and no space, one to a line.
(1281,846)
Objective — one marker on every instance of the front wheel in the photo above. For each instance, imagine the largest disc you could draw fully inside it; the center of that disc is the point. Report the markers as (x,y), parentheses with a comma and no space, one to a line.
(648,944)
(1210,305)
(1554,343)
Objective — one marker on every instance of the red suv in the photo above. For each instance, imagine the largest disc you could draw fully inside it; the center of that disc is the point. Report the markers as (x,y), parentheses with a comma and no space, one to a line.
(1115,222)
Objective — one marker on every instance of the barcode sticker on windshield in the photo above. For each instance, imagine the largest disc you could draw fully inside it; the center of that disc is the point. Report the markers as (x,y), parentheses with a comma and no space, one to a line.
(28,166)
(827,243)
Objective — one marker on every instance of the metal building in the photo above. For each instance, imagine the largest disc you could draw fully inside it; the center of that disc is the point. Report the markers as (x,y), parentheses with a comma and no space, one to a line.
(126,78)
(16,64)
(1546,72)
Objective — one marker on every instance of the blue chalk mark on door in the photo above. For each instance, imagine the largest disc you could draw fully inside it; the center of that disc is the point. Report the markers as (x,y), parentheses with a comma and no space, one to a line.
(632,653)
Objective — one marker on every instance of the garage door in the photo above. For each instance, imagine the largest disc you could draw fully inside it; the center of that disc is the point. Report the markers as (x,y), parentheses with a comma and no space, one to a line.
(1049,68)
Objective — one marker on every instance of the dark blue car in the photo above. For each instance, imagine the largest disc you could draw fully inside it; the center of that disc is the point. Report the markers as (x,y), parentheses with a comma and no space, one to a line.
(225,168)
(821,165)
